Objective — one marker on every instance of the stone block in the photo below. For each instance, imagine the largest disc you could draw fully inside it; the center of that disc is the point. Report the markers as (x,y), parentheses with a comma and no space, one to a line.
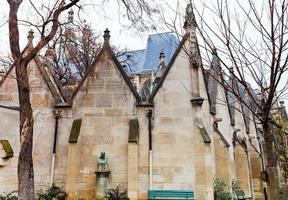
(88,194)
(103,100)
(113,112)
(87,100)
(114,86)
(5,97)
(121,99)
(165,138)
(107,73)
(89,180)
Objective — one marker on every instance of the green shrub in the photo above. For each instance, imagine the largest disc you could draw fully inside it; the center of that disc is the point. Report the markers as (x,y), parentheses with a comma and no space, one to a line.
(116,194)
(9,196)
(283,191)
(237,190)
(51,193)
(221,190)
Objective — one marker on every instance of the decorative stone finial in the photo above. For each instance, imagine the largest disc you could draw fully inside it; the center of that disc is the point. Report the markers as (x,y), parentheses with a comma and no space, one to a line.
(30,36)
(50,53)
(190,21)
(70,15)
(162,56)
(106,35)
(214,51)
(216,65)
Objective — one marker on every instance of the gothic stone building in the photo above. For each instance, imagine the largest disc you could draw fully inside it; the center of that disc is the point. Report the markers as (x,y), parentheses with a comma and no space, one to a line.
(180,134)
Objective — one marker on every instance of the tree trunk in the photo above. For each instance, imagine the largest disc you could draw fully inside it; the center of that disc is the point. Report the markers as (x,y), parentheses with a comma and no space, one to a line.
(271,161)
(25,161)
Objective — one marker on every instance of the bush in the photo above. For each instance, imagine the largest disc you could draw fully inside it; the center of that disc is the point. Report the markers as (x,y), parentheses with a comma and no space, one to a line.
(283,191)
(116,194)
(51,193)
(237,190)
(9,196)
(221,190)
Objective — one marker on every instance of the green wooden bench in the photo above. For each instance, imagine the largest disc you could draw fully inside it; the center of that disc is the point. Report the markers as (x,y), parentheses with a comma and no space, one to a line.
(245,198)
(171,194)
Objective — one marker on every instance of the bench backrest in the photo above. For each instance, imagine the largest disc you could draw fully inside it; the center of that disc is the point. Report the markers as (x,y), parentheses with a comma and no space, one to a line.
(171,194)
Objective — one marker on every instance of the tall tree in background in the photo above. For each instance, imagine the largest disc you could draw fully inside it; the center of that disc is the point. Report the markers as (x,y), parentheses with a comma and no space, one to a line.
(138,12)
(74,52)
(252,41)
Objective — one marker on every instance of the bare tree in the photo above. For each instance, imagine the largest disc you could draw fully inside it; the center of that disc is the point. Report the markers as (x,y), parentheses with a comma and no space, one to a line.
(48,29)
(21,60)
(5,62)
(74,51)
(251,41)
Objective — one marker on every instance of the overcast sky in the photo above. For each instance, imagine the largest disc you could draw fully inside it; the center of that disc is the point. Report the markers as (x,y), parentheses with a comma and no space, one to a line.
(99,18)
(102,17)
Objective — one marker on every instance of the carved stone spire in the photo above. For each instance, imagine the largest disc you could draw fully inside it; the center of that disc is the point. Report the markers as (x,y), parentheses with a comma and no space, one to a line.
(161,67)
(50,53)
(216,62)
(231,97)
(214,77)
(70,15)
(190,27)
(162,57)
(106,36)
(30,36)
(190,22)
(29,45)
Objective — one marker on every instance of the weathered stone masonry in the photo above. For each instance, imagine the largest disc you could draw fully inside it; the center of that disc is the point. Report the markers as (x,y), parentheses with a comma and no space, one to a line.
(195,135)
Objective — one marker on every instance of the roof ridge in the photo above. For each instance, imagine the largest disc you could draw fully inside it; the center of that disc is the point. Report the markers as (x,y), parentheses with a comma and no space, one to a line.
(154,34)
(135,50)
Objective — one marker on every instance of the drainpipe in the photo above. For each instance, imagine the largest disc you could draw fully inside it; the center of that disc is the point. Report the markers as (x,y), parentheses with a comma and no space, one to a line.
(57,117)
(149,116)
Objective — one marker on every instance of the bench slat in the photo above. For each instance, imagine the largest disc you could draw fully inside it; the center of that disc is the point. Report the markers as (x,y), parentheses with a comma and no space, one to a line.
(171,194)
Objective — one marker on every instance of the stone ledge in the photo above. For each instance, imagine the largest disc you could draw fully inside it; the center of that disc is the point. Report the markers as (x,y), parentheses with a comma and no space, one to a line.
(197,101)
(145,104)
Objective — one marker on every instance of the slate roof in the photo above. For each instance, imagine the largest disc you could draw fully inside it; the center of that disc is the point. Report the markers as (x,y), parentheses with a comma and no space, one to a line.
(145,60)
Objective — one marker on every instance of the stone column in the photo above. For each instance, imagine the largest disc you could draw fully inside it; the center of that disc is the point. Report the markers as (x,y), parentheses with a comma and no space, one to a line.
(242,171)
(256,168)
(222,160)
(133,171)
(73,168)
(204,163)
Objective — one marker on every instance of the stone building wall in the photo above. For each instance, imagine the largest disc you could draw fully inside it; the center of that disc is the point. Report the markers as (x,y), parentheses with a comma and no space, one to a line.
(181,159)
(188,152)
(105,104)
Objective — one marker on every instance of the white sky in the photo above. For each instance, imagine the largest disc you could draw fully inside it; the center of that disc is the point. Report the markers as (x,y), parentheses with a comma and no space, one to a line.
(99,18)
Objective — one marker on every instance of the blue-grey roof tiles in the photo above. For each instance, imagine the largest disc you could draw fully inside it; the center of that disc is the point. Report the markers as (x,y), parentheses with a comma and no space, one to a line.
(146,60)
